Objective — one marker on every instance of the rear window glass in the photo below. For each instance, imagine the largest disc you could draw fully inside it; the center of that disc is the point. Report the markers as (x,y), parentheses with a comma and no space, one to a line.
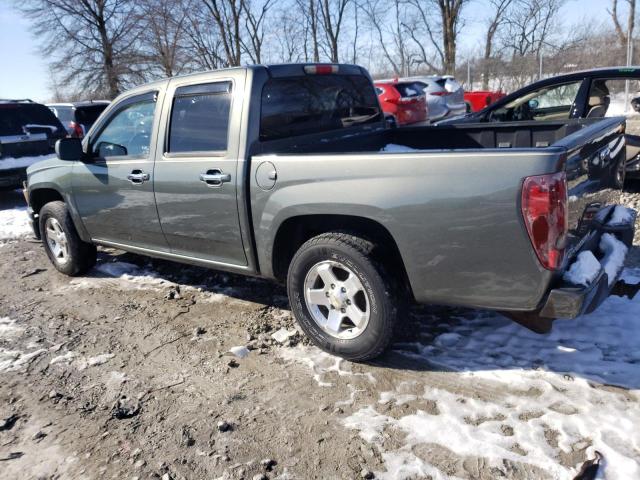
(87,115)
(14,116)
(200,118)
(409,89)
(64,114)
(316,103)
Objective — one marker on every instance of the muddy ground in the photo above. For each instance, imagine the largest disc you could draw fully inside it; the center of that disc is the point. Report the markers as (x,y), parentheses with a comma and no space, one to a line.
(112,376)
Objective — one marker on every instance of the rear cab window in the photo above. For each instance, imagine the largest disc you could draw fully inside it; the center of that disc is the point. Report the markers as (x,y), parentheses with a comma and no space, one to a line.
(199,119)
(308,104)
(16,117)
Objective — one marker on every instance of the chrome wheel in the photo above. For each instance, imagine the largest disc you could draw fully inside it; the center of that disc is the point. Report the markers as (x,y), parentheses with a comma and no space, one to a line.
(336,300)
(57,240)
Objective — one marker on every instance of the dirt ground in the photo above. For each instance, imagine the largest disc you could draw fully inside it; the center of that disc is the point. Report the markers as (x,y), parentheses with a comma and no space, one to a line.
(127,373)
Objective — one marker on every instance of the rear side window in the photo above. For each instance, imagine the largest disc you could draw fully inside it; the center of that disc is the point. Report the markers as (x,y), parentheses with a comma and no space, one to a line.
(316,103)
(87,115)
(64,114)
(200,118)
(409,89)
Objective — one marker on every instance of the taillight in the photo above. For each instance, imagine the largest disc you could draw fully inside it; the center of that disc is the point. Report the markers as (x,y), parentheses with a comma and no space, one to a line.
(442,93)
(76,129)
(544,208)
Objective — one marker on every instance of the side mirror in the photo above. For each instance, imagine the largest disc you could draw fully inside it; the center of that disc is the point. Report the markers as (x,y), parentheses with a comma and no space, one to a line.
(69,149)
(533,104)
(107,149)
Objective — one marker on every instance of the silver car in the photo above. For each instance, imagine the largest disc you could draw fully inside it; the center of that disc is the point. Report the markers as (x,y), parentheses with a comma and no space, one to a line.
(445,96)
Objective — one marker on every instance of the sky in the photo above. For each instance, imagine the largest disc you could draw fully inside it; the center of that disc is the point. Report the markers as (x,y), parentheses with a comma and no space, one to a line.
(24,73)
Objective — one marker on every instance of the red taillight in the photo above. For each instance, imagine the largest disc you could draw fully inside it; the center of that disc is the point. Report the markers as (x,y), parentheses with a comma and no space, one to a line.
(442,93)
(320,69)
(544,208)
(77,129)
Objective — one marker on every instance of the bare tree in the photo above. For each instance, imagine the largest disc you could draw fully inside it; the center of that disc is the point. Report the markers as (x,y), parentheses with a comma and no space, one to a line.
(226,15)
(203,45)
(310,15)
(390,33)
(623,35)
(332,14)
(164,34)
(500,8)
(93,41)
(254,18)
(450,11)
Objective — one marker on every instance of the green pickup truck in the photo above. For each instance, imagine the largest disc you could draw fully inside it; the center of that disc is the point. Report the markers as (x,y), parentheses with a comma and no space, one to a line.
(288,172)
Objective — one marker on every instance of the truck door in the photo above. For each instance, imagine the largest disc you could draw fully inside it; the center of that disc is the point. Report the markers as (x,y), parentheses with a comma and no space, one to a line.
(196,178)
(113,189)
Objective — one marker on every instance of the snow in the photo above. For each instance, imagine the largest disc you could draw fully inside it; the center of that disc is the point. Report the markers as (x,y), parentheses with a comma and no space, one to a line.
(240,351)
(614,254)
(486,375)
(9,329)
(584,270)
(22,162)
(395,148)
(282,335)
(14,223)
(80,362)
(621,216)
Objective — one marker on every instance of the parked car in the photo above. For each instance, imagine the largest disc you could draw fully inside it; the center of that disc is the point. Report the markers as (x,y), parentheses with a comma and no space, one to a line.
(404,100)
(479,99)
(78,117)
(597,93)
(287,172)
(27,129)
(445,96)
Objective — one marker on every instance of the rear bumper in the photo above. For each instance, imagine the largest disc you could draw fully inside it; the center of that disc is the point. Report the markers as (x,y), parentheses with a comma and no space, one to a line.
(566,300)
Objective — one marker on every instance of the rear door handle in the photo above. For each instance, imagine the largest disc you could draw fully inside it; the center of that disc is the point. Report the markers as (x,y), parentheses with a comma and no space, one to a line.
(138,177)
(215,178)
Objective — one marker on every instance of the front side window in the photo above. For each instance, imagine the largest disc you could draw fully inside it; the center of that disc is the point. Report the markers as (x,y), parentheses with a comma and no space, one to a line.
(548,103)
(200,118)
(128,131)
(316,103)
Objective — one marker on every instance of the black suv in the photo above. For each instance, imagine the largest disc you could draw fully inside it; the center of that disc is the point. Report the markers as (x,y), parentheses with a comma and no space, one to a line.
(77,117)
(27,130)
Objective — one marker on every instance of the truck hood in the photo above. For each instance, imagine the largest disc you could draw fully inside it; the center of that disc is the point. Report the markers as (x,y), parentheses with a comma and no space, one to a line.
(46,164)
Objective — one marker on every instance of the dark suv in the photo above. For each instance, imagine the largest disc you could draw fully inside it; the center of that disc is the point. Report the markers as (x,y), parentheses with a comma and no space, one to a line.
(27,130)
(77,117)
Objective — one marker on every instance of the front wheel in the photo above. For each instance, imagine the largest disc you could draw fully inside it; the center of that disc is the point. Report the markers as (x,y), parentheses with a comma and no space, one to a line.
(342,297)
(68,253)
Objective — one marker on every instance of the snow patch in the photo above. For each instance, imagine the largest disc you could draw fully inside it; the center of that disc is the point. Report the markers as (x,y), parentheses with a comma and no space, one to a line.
(9,329)
(14,223)
(621,216)
(12,360)
(240,351)
(614,254)
(584,270)
(22,162)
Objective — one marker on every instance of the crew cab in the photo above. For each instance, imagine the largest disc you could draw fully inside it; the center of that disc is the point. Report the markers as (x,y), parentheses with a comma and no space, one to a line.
(287,172)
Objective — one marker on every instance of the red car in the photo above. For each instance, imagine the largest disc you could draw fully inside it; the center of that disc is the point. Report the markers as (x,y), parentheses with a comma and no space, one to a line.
(404,100)
(480,99)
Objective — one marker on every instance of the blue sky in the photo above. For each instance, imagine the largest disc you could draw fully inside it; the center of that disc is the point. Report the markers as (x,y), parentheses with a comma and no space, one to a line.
(25,73)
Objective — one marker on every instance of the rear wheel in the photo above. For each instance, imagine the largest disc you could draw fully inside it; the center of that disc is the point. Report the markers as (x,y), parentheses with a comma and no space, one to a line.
(342,296)
(68,253)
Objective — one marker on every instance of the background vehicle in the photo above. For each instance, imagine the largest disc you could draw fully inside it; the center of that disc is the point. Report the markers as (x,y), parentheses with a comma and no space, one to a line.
(597,93)
(78,117)
(479,99)
(288,172)
(27,129)
(445,96)
(404,100)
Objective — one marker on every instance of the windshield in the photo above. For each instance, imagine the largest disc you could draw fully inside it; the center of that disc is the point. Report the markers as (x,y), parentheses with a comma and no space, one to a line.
(316,103)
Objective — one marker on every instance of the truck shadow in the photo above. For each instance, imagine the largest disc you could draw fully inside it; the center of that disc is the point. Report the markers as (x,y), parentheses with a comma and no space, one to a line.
(601,347)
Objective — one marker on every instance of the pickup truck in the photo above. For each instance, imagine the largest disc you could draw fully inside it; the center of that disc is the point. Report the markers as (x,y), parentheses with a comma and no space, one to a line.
(287,172)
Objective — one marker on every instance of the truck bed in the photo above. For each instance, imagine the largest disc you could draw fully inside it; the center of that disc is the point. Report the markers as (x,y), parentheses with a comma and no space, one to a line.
(452,202)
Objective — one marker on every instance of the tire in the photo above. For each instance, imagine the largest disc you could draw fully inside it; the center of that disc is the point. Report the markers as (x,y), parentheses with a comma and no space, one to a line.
(72,256)
(348,258)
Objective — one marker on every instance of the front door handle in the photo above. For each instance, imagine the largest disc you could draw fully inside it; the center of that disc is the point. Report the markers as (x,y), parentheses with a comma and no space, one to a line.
(215,178)
(138,177)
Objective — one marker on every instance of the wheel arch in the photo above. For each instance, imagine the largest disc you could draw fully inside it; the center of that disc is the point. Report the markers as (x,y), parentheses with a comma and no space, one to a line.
(296,230)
